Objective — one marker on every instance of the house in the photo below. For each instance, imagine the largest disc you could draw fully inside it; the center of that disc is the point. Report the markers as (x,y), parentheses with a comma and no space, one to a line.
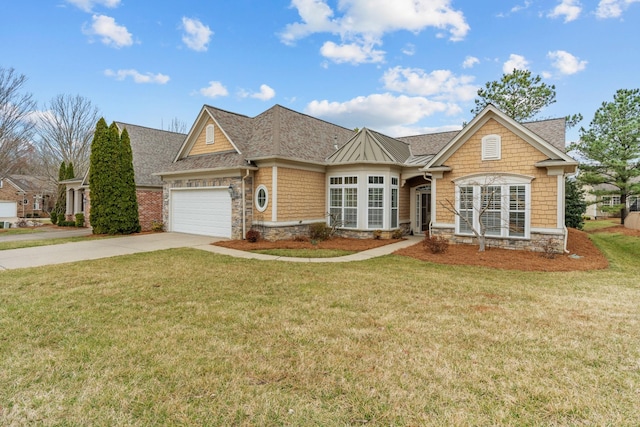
(152,150)
(27,195)
(283,170)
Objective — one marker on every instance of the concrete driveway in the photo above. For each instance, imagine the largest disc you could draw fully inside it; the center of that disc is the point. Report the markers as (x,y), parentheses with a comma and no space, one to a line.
(94,249)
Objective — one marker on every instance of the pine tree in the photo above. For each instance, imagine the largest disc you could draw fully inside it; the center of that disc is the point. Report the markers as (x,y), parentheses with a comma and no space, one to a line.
(70,174)
(575,205)
(128,201)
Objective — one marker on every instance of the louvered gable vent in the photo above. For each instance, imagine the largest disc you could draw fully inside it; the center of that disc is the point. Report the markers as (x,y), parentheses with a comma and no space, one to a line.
(491,147)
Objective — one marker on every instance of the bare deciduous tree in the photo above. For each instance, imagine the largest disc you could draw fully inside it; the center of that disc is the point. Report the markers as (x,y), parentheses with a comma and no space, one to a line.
(178,126)
(16,126)
(65,131)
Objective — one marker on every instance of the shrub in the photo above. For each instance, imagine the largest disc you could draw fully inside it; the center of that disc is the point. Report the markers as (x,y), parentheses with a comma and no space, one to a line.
(54,217)
(397,233)
(66,223)
(436,244)
(79,220)
(319,231)
(377,234)
(157,226)
(253,235)
(547,248)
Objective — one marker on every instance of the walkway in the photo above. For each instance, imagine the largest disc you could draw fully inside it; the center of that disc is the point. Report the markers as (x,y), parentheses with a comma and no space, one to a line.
(109,247)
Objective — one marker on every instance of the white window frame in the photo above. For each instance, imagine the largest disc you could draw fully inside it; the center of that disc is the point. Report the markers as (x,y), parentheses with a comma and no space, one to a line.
(347,206)
(262,208)
(210,134)
(506,183)
(378,184)
(394,220)
(491,147)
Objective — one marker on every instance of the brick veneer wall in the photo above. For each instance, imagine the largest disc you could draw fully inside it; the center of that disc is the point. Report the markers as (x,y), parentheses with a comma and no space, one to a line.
(149,208)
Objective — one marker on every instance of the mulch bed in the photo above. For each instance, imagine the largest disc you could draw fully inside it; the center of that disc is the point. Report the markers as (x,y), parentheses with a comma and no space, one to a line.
(578,244)
(590,258)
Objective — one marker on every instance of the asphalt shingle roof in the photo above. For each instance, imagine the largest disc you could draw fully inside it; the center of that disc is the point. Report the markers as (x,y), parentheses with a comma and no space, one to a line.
(153,150)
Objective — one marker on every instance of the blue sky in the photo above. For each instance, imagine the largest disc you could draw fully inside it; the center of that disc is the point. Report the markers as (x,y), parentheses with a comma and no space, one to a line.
(397,66)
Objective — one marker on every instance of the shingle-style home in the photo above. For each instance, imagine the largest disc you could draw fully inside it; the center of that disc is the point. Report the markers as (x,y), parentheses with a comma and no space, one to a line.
(26,196)
(152,150)
(283,170)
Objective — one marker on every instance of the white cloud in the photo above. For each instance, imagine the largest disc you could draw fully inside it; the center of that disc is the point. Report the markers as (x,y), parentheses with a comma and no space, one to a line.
(517,62)
(381,112)
(363,23)
(515,9)
(566,63)
(409,49)
(352,53)
(442,85)
(109,31)
(87,5)
(138,77)
(197,35)
(570,9)
(470,61)
(265,94)
(214,90)
(613,8)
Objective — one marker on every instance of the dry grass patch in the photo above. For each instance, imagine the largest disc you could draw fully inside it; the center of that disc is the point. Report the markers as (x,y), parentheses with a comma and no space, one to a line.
(188,337)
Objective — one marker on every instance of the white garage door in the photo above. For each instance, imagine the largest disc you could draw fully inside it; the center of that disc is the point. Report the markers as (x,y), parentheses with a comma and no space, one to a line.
(201,211)
(8,209)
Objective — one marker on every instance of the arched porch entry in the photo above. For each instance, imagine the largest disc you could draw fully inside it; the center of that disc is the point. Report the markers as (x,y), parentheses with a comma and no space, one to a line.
(420,204)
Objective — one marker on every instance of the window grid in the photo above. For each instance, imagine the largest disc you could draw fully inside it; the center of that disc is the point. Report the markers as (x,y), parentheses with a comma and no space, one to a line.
(343,201)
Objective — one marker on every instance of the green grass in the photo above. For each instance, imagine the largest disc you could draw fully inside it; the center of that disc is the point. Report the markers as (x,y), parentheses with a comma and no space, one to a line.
(186,337)
(14,231)
(305,253)
(19,244)
(600,224)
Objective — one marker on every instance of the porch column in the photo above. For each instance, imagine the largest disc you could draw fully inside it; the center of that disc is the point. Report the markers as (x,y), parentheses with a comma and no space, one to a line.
(77,199)
(69,206)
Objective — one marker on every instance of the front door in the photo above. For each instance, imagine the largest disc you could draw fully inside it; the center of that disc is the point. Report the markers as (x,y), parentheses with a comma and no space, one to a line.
(423,209)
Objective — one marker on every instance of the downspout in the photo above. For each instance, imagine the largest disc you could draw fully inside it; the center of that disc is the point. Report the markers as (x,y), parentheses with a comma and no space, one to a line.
(564,226)
(244,206)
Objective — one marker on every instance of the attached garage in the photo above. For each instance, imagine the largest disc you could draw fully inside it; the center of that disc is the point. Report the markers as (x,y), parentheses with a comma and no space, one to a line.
(8,209)
(204,211)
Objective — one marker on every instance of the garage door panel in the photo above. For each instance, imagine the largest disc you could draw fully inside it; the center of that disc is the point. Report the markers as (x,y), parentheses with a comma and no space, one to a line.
(8,209)
(206,212)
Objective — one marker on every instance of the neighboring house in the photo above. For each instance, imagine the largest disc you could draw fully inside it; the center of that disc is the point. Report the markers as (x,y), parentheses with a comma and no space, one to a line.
(30,196)
(152,150)
(282,170)
(595,204)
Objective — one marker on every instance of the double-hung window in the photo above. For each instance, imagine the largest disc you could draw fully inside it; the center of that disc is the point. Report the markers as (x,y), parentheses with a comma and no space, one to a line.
(394,202)
(375,213)
(343,201)
(499,209)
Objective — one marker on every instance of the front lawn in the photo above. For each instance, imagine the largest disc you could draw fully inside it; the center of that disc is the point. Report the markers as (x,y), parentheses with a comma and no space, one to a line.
(186,337)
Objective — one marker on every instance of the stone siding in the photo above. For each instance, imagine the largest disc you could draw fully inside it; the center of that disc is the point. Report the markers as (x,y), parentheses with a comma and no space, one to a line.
(539,242)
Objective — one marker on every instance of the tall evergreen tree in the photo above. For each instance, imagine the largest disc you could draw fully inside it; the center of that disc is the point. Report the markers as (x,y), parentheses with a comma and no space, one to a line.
(128,201)
(574,205)
(100,176)
(611,147)
(61,201)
